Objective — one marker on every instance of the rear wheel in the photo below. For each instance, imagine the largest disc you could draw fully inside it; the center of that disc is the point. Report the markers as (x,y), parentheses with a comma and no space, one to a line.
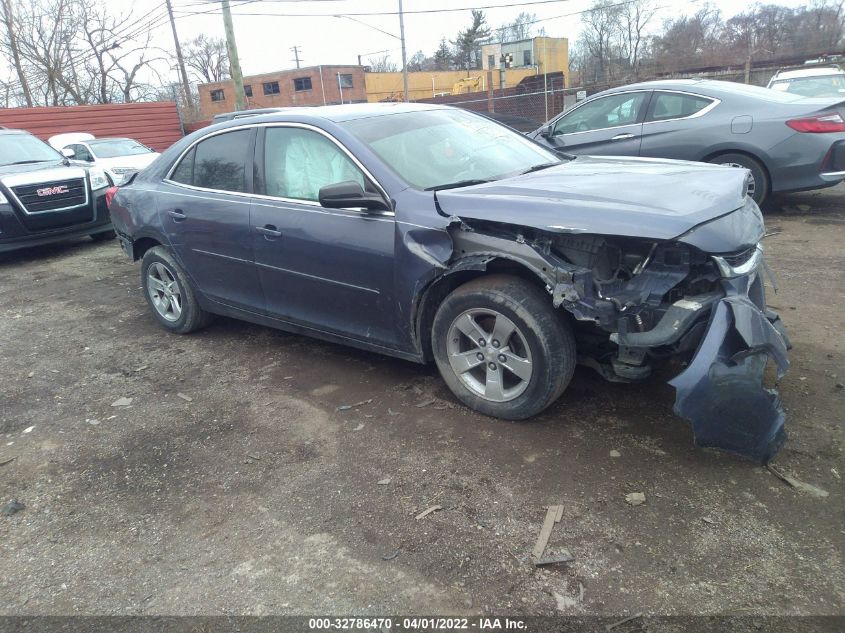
(502,348)
(758,185)
(169,294)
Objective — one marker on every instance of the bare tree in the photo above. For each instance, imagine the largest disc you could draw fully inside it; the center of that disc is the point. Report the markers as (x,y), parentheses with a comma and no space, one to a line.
(13,51)
(382,64)
(207,58)
(635,18)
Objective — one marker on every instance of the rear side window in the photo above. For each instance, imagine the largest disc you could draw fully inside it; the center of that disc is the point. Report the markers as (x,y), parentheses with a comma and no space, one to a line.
(218,162)
(674,105)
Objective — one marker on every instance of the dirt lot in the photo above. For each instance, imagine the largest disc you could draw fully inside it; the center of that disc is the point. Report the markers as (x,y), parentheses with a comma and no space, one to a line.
(254,494)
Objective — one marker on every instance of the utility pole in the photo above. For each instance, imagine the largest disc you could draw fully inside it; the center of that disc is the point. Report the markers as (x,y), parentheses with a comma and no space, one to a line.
(295,50)
(186,86)
(234,62)
(404,59)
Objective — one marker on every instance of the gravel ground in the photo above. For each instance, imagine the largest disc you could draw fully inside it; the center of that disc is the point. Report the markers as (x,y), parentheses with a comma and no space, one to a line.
(232,484)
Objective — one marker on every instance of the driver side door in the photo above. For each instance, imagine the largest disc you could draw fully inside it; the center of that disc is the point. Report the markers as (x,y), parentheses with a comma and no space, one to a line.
(610,125)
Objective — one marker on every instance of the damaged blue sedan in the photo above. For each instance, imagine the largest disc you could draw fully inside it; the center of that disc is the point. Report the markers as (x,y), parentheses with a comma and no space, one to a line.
(434,234)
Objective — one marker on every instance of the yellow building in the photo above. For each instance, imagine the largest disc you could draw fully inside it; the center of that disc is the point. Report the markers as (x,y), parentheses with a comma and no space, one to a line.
(525,58)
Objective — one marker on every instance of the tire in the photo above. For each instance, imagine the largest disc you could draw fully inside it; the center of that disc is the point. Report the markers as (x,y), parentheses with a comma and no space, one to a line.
(168,293)
(104,236)
(541,336)
(761,182)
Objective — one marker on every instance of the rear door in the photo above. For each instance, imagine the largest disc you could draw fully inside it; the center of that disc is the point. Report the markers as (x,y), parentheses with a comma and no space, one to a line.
(610,125)
(330,269)
(676,125)
(205,212)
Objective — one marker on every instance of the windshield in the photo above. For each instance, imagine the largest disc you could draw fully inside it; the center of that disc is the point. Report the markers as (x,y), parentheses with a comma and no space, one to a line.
(117,147)
(436,148)
(17,149)
(818,86)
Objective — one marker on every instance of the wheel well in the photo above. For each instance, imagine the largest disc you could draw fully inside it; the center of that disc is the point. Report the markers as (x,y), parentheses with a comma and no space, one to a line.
(141,246)
(441,287)
(721,152)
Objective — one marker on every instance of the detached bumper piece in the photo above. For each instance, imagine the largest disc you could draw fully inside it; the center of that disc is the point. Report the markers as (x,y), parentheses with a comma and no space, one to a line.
(721,392)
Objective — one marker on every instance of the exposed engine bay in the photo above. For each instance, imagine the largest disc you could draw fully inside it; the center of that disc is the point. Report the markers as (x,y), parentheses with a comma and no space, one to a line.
(636,303)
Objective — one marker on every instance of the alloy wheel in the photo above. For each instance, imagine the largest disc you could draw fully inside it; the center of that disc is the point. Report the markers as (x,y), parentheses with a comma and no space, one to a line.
(489,355)
(752,184)
(164,291)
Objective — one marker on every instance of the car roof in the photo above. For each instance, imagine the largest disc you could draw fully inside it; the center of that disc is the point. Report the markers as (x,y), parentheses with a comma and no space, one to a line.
(10,131)
(711,88)
(823,71)
(340,113)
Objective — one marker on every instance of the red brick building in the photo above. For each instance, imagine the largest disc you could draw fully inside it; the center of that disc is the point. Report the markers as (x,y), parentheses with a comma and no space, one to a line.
(315,85)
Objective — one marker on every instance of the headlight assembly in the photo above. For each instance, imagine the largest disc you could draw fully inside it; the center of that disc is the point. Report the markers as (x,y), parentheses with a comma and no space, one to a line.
(98,177)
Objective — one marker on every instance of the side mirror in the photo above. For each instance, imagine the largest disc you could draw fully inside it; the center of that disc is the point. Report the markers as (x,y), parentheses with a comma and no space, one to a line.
(68,152)
(546,131)
(350,194)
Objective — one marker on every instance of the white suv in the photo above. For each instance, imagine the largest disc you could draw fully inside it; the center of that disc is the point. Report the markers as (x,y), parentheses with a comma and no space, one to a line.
(811,81)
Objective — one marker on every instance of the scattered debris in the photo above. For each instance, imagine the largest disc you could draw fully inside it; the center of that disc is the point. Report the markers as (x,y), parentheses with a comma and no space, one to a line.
(833,470)
(7,461)
(840,385)
(425,403)
(30,374)
(359,427)
(392,412)
(347,407)
(428,511)
(142,368)
(635,498)
(122,402)
(254,456)
(615,453)
(383,482)
(185,397)
(546,531)
(564,602)
(390,556)
(610,627)
(708,520)
(28,429)
(563,557)
(12,506)
(797,483)
(92,421)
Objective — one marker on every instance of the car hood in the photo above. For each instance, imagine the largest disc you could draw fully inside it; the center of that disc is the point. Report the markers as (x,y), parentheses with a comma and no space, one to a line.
(35,167)
(649,198)
(136,161)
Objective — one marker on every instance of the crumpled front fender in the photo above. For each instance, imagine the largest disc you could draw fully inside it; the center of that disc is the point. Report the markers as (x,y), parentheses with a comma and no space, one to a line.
(721,392)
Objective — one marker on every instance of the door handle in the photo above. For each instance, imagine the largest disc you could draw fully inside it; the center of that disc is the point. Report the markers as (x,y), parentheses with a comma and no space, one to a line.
(269,230)
(622,137)
(177,214)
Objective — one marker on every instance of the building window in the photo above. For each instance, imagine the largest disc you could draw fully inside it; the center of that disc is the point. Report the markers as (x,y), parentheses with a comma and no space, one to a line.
(271,87)
(302,83)
(248,91)
(345,81)
(218,95)
(526,57)
(491,62)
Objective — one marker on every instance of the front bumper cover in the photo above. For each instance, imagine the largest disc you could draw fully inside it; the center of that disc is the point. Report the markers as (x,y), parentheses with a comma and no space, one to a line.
(721,391)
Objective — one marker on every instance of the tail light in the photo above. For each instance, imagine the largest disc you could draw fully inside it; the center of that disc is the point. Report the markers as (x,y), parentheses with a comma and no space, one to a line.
(111,192)
(819,123)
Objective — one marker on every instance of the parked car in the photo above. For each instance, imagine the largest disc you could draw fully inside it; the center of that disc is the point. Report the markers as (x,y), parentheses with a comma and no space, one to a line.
(119,157)
(811,81)
(432,233)
(43,198)
(787,142)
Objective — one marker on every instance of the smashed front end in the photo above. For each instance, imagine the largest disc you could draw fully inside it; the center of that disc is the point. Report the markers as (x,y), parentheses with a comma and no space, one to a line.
(698,297)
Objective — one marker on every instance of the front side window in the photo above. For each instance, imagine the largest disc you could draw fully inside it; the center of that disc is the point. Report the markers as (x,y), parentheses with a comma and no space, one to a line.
(302,83)
(271,87)
(441,147)
(298,163)
(218,95)
(605,112)
(674,105)
(219,162)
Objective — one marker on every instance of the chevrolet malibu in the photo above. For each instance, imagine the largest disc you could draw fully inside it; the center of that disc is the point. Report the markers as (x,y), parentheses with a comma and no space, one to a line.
(434,234)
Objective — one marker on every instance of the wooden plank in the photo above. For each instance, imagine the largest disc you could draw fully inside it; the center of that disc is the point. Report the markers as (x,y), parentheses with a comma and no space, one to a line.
(559,514)
(545,531)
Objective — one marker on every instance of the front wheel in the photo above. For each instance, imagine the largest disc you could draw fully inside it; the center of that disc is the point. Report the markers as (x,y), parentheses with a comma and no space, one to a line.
(758,184)
(502,348)
(169,294)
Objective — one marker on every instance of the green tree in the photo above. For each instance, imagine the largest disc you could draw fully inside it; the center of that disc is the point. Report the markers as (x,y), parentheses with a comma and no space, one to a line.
(468,42)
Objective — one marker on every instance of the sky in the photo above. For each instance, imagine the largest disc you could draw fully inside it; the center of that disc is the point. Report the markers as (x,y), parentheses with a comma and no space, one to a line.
(264,41)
